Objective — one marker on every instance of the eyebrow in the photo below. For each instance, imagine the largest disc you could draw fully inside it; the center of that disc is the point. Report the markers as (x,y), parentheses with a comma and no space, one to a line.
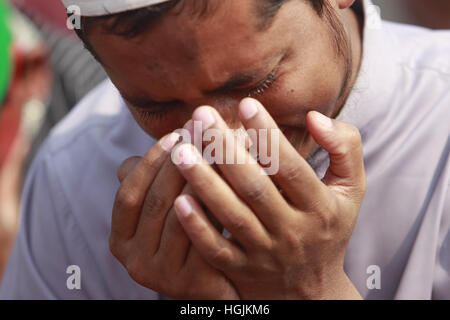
(236,81)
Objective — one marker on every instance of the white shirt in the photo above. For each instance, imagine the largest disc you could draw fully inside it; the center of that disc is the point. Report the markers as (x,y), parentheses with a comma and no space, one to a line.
(400,103)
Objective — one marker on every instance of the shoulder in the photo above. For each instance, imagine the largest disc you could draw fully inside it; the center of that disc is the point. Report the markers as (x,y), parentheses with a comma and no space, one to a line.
(96,112)
(418,76)
(69,193)
(421,49)
(403,101)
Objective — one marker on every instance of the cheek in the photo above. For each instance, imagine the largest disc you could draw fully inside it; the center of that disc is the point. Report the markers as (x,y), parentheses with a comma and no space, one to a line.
(317,86)
(315,89)
(312,78)
(299,92)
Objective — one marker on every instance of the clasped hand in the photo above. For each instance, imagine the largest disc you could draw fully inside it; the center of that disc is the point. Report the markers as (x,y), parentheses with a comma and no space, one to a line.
(168,218)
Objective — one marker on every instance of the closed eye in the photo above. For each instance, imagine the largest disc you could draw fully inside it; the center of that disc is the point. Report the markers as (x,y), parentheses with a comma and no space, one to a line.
(263,86)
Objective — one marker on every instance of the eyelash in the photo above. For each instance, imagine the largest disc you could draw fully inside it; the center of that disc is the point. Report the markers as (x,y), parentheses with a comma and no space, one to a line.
(265,85)
(145,115)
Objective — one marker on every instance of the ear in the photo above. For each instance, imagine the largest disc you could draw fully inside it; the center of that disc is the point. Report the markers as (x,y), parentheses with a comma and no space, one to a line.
(344,4)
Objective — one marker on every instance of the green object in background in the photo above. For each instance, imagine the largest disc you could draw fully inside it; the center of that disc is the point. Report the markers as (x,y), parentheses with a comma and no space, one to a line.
(5,51)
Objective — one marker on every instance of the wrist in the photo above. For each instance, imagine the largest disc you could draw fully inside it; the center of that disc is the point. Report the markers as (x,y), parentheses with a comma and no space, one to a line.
(335,286)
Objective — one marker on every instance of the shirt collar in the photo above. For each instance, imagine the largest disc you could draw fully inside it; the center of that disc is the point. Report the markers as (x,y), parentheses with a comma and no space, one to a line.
(375,84)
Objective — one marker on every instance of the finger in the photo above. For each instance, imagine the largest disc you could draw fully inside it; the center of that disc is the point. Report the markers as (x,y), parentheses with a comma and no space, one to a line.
(187,132)
(134,187)
(127,166)
(174,245)
(196,128)
(212,246)
(295,176)
(343,143)
(231,212)
(165,188)
(243,173)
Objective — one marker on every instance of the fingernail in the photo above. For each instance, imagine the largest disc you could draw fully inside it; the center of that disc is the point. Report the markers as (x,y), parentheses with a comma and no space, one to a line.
(186,156)
(183,207)
(169,141)
(323,120)
(206,117)
(248,109)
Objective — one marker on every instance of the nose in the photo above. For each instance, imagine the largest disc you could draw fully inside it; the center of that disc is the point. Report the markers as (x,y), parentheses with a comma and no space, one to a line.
(226,106)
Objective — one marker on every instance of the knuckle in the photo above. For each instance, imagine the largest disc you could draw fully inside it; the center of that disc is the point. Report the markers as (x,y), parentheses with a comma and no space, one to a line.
(127,199)
(154,203)
(292,238)
(269,245)
(352,140)
(114,247)
(291,173)
(255,192)
(329,216)
(223,256)
(237,225)
(150,166)
(354,136)
(127,166)
(134,269)
(325,231)
(328,220)
(138,272)
(326,215)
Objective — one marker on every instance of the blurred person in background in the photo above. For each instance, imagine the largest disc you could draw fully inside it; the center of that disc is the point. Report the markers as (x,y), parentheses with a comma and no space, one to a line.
(433,14)
(43,73)
(52,12)
(25,83)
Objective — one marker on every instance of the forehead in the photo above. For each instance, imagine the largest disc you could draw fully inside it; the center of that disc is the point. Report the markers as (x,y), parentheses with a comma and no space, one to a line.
(182,49)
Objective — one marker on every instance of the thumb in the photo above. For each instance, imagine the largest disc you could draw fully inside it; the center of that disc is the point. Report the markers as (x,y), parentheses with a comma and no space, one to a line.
(343,143)
(126,167)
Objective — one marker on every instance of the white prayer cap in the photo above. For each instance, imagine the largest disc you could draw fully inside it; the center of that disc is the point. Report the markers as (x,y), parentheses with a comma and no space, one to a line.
(90,8)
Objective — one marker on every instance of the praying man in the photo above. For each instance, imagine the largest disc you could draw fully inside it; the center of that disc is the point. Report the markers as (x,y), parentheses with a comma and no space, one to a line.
(358,208)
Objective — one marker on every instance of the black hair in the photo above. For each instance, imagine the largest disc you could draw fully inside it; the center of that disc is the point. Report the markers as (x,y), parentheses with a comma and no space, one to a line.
(132,23)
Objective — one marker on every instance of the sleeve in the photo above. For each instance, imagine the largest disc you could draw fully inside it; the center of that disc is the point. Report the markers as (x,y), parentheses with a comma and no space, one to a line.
(40,261)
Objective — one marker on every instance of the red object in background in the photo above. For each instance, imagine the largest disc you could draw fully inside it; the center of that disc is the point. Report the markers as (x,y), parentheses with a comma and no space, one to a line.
(51,11)
(11,112)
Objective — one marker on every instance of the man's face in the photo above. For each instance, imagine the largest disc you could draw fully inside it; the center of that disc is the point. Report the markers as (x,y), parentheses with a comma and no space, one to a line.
(185,62)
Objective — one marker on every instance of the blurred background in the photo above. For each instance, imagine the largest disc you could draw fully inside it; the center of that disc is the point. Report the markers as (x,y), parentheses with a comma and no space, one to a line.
(433,14)
(45,71)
